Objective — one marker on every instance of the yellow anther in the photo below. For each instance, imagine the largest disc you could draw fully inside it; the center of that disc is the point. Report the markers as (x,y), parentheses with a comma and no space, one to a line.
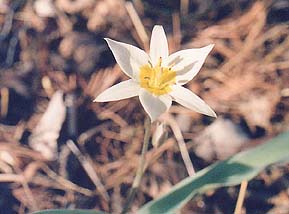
(157,80)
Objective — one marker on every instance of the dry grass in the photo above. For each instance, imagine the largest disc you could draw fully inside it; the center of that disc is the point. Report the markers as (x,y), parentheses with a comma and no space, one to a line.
(245,78)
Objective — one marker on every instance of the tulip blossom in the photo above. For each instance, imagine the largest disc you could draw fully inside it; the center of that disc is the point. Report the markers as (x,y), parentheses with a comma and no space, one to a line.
(157,78)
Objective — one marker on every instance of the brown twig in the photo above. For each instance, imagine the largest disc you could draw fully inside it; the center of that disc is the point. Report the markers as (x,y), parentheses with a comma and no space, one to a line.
(177,33)
(88,168)
(137,24)
(241,197)
(184,7)
(31,199)
(4,101)
(68,185)
(182,145)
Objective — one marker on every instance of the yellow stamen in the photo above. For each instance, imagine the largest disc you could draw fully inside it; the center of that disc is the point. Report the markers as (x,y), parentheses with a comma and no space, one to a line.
(157,80)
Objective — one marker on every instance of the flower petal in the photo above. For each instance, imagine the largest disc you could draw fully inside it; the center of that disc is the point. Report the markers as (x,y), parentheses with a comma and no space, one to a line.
(187,63)
(188,99)
(159,45)
(128,57)
(154,105)
(122,90)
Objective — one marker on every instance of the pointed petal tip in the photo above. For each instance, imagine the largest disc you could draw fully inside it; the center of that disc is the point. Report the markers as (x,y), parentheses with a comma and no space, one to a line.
(158,26)
(99,99)
(190,100)
(152,119)
(210,47)
(154,106)
(158,44)
(108,40)
(214,115)
(208,111)
(211,113)
(128,57)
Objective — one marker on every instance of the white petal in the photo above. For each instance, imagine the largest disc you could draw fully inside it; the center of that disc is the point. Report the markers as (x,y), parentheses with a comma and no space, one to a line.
(128,57)
(122,90)
(188,99)
(159,45)
(154,105)
(187,63)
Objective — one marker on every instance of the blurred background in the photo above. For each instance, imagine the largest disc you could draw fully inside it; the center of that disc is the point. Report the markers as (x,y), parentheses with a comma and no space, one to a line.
(58,149)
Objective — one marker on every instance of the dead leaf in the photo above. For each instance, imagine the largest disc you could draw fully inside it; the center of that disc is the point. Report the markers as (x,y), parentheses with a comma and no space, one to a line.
(44,136)
(220,140)
(44,8)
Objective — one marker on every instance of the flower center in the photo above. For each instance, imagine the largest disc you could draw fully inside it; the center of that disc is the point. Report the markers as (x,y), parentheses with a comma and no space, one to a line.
(157,80)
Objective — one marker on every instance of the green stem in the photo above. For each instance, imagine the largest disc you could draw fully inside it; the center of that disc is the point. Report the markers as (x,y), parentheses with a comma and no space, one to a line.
(140,169)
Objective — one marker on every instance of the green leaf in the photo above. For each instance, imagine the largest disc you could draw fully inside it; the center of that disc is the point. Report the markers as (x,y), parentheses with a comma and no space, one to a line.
(63,211)
(243,166)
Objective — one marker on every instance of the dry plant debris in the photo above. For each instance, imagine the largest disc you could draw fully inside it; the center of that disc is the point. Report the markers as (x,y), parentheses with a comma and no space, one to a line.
(61,48)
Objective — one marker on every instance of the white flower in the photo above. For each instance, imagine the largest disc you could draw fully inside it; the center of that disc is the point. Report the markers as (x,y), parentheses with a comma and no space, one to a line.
(157,78)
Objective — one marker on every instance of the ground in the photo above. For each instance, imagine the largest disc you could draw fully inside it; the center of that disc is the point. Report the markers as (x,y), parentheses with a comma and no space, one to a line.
(54,62)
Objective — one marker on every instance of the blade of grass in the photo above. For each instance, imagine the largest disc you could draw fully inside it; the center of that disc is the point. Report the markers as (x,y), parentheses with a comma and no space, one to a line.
(62,211)
(243,166)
